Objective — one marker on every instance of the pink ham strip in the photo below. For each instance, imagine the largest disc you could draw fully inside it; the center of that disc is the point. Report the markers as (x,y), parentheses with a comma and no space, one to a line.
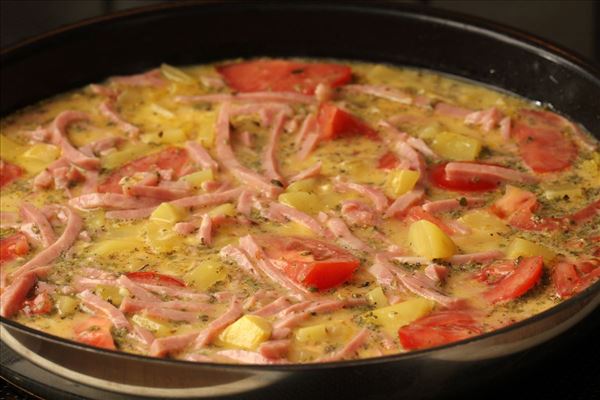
(385,92)
(208,199)
(308,145)
(283,327)
(240,257)
(450,110)
(172,315)
(273,307)
(244,203)
(35,216)
(405,151)
(402,203)
(9,219)
(505,128)
(130,214)
(142,334)
(245,357)
(130,305)
(82,283)
(161,193)
(60,138)
(341,231)
(350,349)
(285,97)
(488,119)
(277,211)
(185,228)
(200,156)
(175,291)
(14,295)
(208,334)
(104,91)
(270,108)
(480,257)
(462,170)
(107,108)
(421,146)
(358,213)
(441,206)
(198,358)
(97,304)
(136,290)
(246,138)
(205,231)
(379,199)
(308,125)
(63,243)
(383,275)
(171,344)
(249,245)
(275,349)
(152,78)
(309,172)
(227,158)
(269,160)
(102,145)
(111,200)
(436,272)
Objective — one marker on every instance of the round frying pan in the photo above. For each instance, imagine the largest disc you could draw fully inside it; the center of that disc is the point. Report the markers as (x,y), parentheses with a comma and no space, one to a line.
(188,33)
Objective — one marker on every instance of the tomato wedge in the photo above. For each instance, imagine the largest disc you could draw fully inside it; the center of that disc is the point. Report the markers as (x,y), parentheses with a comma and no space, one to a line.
(155,278)
(416,213)
(310,262)
(40,304)
(437,329)
(473,184)
(570,279)
(542,145)
(388,161)
(95,331)
(172,158)
(494,272)
(283,75)
(334,122)
(13,246)
(525,276)
(9,172)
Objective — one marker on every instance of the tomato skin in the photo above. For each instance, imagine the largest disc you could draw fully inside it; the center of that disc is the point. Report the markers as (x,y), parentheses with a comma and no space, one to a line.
(13,246)
(170,158)
(310,262)
(417,213)
(526,275)
(571,278)
(334,122)
(439,178)
(95,331)
(437,329)
(40,304)
(283,75)
(9,172)
(155,278)
(494,272)
(388,161)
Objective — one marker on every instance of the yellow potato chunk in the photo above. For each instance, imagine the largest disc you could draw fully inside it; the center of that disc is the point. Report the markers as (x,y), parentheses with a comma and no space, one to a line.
(427,240)
(111,294)
(377,298)
(456,147)
(38,156)
(481,220)
(323,332)
(116,246)
(161,237)
(304,185)
(128,153)
(205,128)
(525,248)
(392,318)
(247,332)
(9,149)
(176,75)
(66,305)
(168,213)
(563,192)
(399,182)
(154,325)
(166,136)
(196,179)
(303,201)
(226,209)
(205,275)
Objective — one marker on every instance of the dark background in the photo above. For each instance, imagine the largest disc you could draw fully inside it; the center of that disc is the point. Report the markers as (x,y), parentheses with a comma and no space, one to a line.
(567,370)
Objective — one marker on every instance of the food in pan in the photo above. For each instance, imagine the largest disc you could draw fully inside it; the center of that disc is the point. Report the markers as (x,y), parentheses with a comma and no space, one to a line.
(291,211)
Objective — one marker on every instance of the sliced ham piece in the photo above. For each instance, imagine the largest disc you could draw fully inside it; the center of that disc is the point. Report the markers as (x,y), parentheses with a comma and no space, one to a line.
(436,272)
(162,347)
(481,257)
(200,156)
(227,158)
(359,213)
(9,219)
(208,199)
(309,125)
(62,244)
(152,78)
(130,305)
(446,205)
(275,349)
(111,201)
(105,91)
(449,110)
(309,172)
(161,192)
(384,92)
(240,257)
(487,119)
(97,304)
(384,277)
(269,160)
(404,202)
(341,231)
(107,108)
(254,97)
(101,146)
(14,295)
(307,145)
(142,334)
(349,349)
(244,203)
(33,215)
(455,170)
(136,290)
(206,230)
(176,291)
(59,138)
(130,214)
(208,334)
(378,198)
(505,128)
(278,211)
(81,283)
(273,308)
(172,315)
(267,111)
(245,357)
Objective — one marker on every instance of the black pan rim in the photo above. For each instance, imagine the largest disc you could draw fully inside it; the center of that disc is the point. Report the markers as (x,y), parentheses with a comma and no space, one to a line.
(532,43)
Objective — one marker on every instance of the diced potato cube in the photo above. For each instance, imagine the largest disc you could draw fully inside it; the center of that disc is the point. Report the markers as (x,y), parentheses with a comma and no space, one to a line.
(66,305)
(176,75)
(128,153)
(161,237)
(399,182)
(303,201)
(484,221)
(168,213)
(247,332)
(525,248)
(227,210)
(116,246)
(377,298)
(110,294)
(392,318)
(456,147)
(157,327)
(166,136)
(205,128)
(38,156)
(10,150)
(205,275)
(563,192)
(428,240)
(323,332)
(304,185)
(196,179)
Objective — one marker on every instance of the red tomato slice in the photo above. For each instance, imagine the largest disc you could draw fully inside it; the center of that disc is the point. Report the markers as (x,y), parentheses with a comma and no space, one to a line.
(40,304)
(171,158)
(542,145)
(95,331)
(526,275)
(494,272)
(565,279)
(417,213)
(586,213)
(310,262)
(155,278)
(388,161)
(282,75)
(333,122)
(440,179)
(438,329)
(13,246)
(9,172)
